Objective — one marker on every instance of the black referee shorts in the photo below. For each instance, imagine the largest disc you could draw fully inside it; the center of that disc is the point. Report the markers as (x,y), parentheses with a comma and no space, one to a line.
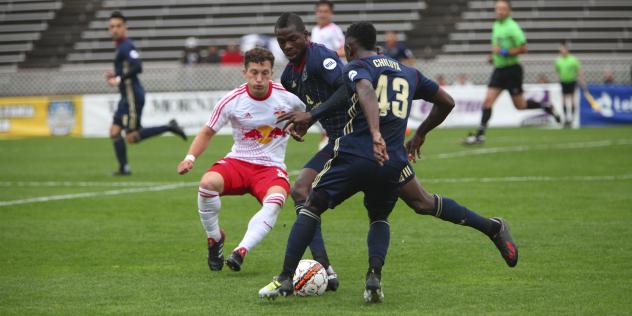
(507,78)
(568,87)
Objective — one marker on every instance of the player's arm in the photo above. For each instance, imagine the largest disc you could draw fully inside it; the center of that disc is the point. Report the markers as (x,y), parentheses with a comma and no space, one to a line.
(199,145)
(368,103)
(522,49)
(135,66)
(443,104)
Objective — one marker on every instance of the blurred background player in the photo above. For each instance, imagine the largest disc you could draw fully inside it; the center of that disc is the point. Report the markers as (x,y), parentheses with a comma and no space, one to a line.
(127,66)
(314,74)
(569,70)
(508,42)
(397,50)
(326,32)
(255,163)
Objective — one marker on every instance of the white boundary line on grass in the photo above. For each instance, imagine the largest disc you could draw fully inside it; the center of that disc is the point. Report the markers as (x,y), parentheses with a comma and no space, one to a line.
(494,150)
(172,186)
(82,184)
(93,194)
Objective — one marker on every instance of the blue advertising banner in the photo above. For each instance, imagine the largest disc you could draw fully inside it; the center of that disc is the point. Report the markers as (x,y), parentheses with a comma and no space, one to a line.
(605,105)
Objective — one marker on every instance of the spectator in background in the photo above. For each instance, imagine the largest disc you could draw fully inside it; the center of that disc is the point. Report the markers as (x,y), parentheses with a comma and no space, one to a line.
(232,55)
(397,50)
(191,53)
(326,32)
(251,41)
(608,76)
(211,55)
(461,80)
(542,79)
(440,79)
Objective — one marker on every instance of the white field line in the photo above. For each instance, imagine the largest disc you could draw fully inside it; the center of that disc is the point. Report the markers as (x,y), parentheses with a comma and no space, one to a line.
(82,184)
(528,179)
(178,185)
(94,194)
(494,150)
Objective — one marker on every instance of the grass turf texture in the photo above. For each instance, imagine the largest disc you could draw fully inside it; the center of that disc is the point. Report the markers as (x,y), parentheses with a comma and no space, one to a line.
(145,253)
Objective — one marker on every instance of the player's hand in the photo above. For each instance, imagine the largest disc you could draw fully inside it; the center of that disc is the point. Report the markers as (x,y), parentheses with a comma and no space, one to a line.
(297,132)
(112,82)
(413,147)
(490,59)
(297,117)
(185,166)
(109,74)
(496,50)
(379,149)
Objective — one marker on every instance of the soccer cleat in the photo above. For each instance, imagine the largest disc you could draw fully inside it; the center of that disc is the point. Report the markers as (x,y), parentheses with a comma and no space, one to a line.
(121,173)
(236,259)
(373,288)
(125,171)
(276,288)
(505,243)
(332,282)
(216,253)
(176,129)
(472,139)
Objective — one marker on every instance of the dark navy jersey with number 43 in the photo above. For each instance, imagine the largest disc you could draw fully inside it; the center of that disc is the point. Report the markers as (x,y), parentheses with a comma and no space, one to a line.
(396,86)
(314,80)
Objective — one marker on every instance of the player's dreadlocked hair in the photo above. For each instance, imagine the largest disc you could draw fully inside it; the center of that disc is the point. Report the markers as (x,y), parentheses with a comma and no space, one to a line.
(288,19)
(364,33)
(258,55)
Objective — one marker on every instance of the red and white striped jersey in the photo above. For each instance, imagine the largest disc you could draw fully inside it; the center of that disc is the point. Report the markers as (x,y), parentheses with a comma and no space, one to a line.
(257,137)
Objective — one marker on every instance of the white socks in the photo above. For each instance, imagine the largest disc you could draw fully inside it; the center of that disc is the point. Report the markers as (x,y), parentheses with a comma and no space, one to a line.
(262,222)
(208,207)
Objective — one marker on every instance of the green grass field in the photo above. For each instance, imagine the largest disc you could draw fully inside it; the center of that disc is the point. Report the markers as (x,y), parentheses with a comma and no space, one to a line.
(122,249)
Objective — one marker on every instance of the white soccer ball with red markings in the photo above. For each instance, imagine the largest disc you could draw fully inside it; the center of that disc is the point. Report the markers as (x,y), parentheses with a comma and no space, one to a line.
(310,278)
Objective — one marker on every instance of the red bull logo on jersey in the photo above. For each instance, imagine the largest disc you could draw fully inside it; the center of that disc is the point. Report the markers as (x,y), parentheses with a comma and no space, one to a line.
(264,134)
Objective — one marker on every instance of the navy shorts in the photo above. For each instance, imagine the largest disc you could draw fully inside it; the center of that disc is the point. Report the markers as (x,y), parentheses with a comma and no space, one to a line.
(344,175)
(320,158)
(128,116)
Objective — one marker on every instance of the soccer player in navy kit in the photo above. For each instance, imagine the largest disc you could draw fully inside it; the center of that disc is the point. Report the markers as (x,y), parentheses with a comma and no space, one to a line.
(314,74)
(350,171)
(307,75)
(127,66)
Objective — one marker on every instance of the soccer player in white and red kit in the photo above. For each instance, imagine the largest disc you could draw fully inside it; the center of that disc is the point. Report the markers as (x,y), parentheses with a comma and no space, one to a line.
(254,165)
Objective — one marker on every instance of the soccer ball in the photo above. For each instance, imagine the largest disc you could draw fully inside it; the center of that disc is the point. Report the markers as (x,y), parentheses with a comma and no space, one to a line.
(310,278)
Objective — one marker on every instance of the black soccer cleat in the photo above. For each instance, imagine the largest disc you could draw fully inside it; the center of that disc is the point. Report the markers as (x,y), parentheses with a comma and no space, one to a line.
(373,288)
(216,253)
(332,282)
(236,259)
(505,244)
(176,129)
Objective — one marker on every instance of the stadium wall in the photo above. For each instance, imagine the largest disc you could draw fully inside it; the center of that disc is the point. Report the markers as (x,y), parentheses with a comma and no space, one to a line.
(90,115)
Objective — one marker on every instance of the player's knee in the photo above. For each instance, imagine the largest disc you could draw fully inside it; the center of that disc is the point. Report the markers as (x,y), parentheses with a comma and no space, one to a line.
(210,183)
(318,202)
(299,192)
(132,138)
